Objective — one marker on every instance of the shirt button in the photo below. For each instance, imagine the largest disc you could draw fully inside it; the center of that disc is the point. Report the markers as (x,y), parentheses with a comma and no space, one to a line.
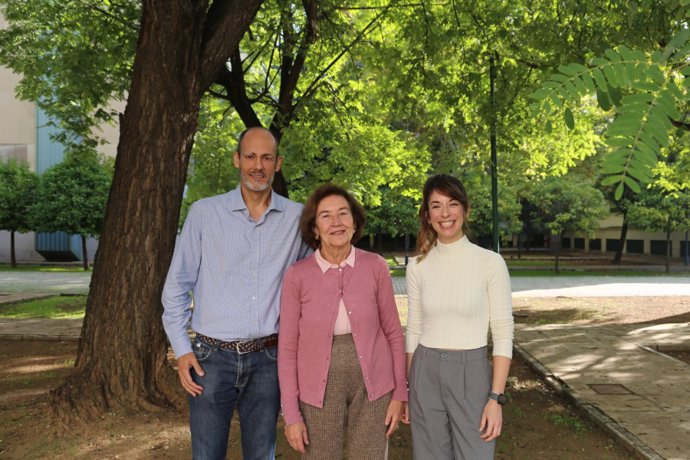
(340,269)
(253,297)
(349,312)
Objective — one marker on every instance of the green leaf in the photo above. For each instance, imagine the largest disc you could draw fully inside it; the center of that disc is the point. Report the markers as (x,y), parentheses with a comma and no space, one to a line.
(644,85)
(611,76)
(658,57)
(572,90)
(603,100)
(615,95)
(556,101)
(639,173)
(618,141)
(549,127)
(599,79)
(637,97)
(612,55)
(567,70)
(589,83)
(579,84)
(632,184)
(610,180)
(569,119)
(618,194)
(669,109)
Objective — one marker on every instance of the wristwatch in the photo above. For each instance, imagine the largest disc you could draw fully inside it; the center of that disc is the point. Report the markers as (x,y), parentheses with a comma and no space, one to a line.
(499,398)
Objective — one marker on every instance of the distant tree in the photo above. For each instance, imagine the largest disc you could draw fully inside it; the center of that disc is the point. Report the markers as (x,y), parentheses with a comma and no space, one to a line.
(396,215)
(72,196)
(568,203)
(17,192)
(660,211)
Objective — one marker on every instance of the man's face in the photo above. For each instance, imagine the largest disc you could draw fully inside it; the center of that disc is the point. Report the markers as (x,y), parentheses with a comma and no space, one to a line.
(257,160)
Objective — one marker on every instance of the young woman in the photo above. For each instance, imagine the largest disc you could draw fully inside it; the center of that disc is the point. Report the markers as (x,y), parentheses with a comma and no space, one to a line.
(456,292)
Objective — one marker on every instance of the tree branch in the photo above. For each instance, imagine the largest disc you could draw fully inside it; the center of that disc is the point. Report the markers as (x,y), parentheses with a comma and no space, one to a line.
(220,32)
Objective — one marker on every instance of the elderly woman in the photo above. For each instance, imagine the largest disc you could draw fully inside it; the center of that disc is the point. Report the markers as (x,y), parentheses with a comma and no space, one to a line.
(341,358)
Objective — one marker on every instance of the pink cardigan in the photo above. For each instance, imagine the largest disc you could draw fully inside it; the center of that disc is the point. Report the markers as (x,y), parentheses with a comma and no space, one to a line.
(308,309)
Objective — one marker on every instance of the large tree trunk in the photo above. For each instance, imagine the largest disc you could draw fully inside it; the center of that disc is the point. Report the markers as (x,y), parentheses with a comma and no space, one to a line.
(121,361)
(13,255)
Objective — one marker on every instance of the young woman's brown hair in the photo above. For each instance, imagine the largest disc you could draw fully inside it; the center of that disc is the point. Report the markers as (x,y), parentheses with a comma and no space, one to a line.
(446,185)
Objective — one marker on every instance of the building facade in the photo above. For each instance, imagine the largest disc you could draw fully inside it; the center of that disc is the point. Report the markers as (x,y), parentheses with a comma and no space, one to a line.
(26,136)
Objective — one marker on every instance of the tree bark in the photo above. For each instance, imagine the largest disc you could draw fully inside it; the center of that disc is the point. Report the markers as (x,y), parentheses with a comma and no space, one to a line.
(84,255)
(122,357)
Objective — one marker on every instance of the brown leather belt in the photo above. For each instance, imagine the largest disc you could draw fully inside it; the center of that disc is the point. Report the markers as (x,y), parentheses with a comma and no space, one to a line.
(240,346)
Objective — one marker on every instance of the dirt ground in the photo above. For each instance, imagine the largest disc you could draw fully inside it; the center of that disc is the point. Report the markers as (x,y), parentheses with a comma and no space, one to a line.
(537,424)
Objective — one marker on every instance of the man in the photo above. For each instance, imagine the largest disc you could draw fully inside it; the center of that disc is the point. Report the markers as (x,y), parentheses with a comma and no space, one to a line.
(231,254)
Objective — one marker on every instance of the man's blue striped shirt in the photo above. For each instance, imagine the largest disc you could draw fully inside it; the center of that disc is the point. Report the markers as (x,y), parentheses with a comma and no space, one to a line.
(233,267)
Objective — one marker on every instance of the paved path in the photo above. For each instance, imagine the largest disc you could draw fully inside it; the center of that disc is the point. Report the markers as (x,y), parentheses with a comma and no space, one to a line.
(616,373)
(45,282)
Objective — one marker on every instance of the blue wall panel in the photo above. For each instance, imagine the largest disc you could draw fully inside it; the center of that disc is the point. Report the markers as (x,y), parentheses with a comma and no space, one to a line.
(58,245)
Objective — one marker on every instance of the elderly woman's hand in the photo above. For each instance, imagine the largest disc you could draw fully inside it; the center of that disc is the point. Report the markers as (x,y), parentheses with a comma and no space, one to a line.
(394,415)
(296,435)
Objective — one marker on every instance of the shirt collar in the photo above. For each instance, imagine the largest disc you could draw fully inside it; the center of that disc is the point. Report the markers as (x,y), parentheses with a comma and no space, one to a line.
(324,265)
(237,202)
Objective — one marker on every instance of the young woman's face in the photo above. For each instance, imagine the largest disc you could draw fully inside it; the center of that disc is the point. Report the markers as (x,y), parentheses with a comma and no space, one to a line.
(446,216)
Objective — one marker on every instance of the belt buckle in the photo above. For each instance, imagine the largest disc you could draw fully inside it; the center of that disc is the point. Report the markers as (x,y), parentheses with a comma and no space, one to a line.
(239,344)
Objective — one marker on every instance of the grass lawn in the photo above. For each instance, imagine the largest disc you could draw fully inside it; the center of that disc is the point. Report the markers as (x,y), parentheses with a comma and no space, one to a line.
(41,268)
(49,307)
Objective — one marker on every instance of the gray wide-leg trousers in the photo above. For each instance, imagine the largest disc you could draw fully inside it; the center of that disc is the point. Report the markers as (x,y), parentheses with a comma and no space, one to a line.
(448,392)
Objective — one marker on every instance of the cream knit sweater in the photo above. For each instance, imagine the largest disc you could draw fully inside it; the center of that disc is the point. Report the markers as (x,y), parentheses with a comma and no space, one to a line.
(454,295)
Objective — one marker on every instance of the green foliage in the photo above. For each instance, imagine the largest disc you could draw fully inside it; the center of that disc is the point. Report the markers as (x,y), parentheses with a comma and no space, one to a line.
(366,158)
(72,196)
(18,186)
(646,91)
(568,203)
(396,215)
(74,57)
(661,211)
(211,170)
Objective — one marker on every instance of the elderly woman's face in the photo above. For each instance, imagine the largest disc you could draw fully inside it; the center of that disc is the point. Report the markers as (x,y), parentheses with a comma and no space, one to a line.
(334,222)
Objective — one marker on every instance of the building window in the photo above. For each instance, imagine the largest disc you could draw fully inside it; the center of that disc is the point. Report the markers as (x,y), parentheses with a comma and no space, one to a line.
(579,243)
(595,244)
(612,245)
(658,247)
(634,246)
(565,242)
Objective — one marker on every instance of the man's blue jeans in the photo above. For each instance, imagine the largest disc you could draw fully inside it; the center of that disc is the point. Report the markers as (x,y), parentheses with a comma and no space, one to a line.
(247,381)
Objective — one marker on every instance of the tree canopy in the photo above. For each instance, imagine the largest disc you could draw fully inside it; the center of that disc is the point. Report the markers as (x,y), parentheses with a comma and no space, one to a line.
(72,196)
(18,186)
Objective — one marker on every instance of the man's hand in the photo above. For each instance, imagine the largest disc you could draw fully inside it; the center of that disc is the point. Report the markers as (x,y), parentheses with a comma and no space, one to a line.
(297,437)
(184,363)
